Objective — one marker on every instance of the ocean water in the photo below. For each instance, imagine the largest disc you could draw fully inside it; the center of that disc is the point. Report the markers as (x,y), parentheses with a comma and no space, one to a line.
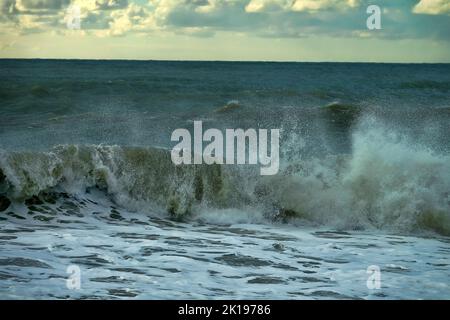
(86,181)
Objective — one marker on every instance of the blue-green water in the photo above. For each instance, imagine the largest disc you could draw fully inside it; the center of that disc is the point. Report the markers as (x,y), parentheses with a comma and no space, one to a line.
(86,179)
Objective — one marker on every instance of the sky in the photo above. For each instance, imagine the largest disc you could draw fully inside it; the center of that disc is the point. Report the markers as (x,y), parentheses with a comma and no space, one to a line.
(256,30)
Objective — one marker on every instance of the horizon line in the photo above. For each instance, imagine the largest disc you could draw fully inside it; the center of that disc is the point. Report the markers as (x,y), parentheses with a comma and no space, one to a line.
(229,61)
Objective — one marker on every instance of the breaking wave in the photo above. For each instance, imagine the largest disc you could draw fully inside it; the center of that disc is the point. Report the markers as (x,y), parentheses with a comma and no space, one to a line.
(385,182)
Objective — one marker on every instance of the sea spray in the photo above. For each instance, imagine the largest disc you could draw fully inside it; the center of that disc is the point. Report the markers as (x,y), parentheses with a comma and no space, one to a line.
(386,182)
(235,147)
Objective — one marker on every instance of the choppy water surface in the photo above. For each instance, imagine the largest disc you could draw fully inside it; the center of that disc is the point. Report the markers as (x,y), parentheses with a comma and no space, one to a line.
(86,180)
(129,255)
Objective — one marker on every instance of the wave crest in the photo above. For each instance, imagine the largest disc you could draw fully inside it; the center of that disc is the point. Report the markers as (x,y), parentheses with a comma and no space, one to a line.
(385,182)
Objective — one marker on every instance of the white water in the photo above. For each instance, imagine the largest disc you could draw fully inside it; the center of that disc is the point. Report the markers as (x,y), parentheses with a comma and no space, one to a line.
(395,191)
(387,182)
(132,255)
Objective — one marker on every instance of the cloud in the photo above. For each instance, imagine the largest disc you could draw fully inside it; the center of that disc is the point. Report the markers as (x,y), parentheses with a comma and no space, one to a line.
(212,15)
(267,5)
(299,5)
(40,5)
(432,7)
(204,18)
(315,5)
(7,7)
(132,18)
(32,16)
(111,4)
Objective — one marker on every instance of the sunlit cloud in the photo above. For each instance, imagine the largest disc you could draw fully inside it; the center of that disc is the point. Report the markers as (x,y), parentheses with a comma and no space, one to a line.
(432,7)
(265,19)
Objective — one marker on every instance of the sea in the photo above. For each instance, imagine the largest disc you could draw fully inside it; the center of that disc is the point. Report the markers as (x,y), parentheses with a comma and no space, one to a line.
(92,207)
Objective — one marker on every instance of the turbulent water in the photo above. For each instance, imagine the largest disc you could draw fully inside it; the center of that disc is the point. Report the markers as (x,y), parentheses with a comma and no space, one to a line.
(86,180)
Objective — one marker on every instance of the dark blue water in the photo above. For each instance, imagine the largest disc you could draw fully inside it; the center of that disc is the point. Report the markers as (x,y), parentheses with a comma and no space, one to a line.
(48,102)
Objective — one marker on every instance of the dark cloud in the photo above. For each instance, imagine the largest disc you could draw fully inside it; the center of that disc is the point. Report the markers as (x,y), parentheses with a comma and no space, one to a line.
(45,4)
